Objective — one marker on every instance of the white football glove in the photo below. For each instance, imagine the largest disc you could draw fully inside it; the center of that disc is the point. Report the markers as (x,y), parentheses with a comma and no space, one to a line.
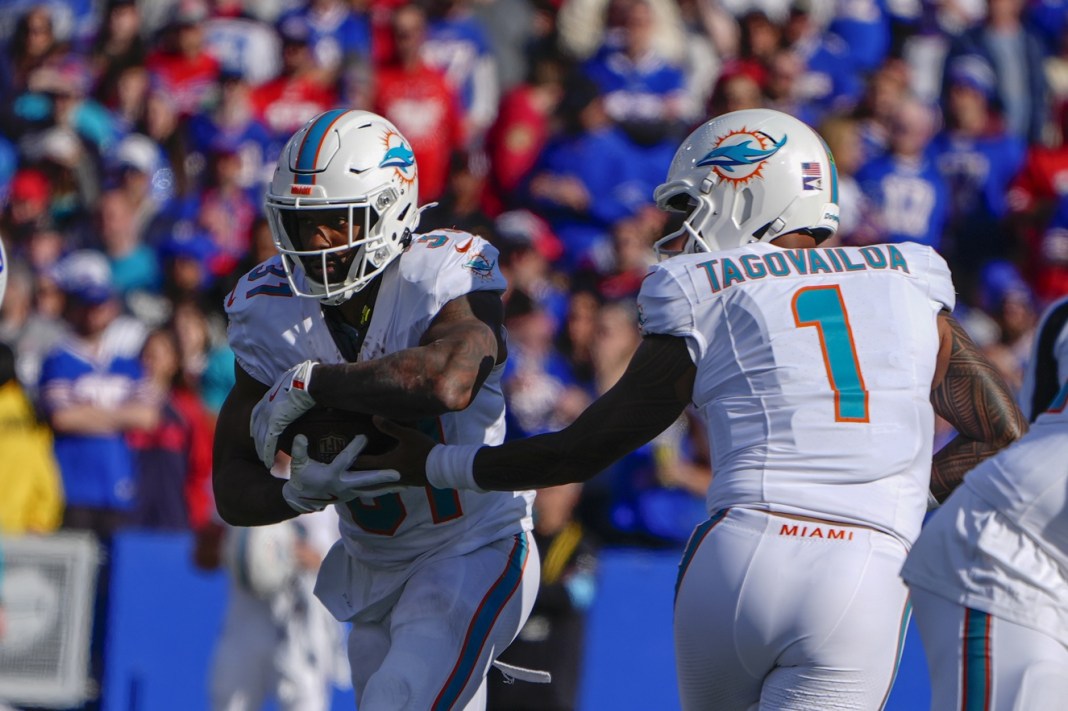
(279,407)
(313,485)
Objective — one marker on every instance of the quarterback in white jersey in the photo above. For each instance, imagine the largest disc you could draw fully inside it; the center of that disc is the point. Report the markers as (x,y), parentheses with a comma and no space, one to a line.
(359,313)
(989,574)
(813,369)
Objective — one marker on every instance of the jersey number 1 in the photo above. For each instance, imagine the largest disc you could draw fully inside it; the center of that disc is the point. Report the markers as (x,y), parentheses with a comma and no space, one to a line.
(822,308)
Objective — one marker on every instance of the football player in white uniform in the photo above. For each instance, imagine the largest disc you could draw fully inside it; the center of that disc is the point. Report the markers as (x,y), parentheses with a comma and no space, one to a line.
(358,312)
(989,573)
(813,369)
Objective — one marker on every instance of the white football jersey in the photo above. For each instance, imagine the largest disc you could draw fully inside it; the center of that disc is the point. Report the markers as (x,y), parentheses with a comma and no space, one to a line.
(271,330)
(814,370)
(1000,543)
(1027,483)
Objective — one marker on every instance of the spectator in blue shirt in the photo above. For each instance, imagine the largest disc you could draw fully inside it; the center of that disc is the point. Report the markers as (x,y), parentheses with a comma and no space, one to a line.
(587,178)
(92,397)
(831,79)
(978,158)
(1017,53)
(457,45)
(337,36)
(907,196)
(864,26)
(644,93)
(232,126)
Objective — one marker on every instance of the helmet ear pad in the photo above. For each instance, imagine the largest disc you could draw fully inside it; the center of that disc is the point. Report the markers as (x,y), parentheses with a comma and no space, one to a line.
(750,176)
(339,159)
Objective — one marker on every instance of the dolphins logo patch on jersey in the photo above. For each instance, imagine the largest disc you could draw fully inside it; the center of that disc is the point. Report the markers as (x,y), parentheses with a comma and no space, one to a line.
(739,156)
(398,156)
(480,266)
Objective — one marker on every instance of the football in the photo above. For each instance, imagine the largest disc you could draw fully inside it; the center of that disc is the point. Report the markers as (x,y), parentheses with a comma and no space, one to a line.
(330,430)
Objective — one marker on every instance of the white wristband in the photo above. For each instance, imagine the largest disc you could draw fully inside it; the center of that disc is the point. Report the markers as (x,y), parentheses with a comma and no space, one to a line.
(451,466)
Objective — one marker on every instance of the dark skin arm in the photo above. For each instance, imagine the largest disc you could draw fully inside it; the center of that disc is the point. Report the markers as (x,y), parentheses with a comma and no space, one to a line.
(657,386)
(246,493)
(653,392)
(969,394)
(442,374)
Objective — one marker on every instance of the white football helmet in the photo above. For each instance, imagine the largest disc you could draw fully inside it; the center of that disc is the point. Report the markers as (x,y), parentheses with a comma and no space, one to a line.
(344,160)
(749,176)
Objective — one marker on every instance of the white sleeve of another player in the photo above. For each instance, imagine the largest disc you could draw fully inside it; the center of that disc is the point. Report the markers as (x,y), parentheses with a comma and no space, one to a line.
(666,308)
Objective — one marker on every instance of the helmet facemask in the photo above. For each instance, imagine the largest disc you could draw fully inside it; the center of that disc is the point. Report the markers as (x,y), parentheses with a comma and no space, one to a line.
(371,247)
(678,199)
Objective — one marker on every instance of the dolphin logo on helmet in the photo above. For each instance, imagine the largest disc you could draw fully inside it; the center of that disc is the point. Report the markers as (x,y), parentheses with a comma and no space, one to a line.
(399,156)
(740,154)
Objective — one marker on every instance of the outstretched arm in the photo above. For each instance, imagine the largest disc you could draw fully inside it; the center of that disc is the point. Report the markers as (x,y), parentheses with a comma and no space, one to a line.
(969,394)
(442,374)
(653,392)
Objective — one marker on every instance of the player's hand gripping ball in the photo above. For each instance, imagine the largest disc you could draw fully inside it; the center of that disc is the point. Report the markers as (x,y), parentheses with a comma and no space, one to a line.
(330,430)
(323,444)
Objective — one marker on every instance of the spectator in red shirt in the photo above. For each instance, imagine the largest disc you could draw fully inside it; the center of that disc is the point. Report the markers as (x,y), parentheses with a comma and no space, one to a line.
(182,65)
(302,91)
(174,458)
(1038,208)
(522,129)
(419,101)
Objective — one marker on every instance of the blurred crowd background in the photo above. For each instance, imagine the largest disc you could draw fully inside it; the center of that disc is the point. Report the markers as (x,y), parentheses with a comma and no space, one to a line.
(136,139)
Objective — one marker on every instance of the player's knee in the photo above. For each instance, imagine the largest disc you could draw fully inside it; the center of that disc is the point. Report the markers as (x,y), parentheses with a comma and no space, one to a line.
(387,691)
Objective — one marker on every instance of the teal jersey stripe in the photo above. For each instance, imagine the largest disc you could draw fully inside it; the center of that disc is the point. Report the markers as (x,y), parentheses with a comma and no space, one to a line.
(313,140)
(699,534)
(906,615)
(478,631)
(976,673)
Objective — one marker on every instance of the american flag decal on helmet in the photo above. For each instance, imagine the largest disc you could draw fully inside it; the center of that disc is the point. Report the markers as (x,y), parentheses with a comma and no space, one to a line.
(811,176)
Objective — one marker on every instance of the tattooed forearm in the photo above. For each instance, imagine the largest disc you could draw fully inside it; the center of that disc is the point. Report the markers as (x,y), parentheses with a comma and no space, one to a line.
(442,374)
(648,398)
(417,382)
(975,400)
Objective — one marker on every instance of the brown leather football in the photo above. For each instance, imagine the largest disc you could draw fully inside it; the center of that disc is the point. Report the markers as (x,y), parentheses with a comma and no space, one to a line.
(330,430)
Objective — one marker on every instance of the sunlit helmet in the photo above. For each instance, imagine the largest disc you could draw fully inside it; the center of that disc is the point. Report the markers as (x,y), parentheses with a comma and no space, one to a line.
(351,161)
(749,176)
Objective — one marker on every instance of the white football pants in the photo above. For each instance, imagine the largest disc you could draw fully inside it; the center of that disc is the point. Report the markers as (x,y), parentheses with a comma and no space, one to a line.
(452,618)
(979,662)
(773,612)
